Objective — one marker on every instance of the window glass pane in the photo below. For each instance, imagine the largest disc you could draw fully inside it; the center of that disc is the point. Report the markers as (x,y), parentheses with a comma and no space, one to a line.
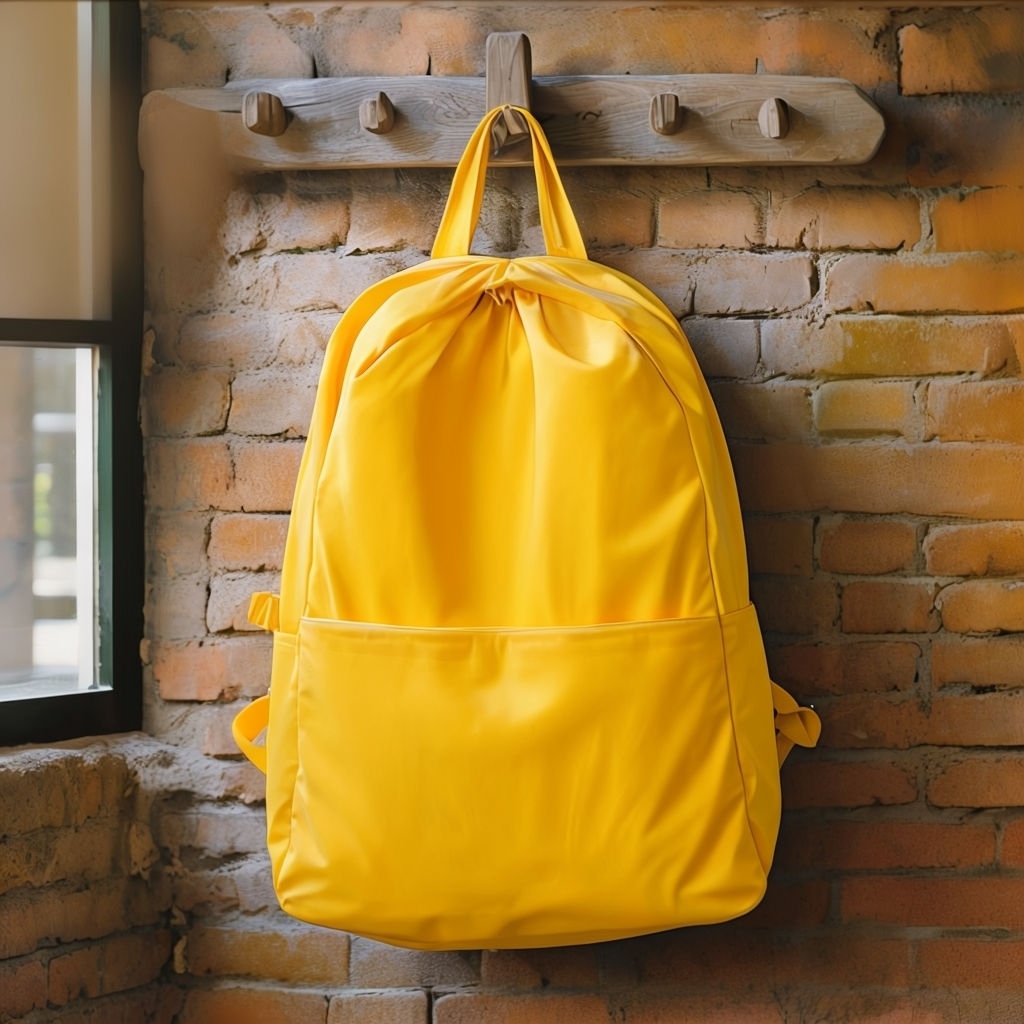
(54,181)
(47,521)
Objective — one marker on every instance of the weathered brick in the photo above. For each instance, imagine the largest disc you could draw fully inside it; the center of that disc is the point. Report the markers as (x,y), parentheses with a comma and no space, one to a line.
(975,411)
(264,475)
(228,605)
(768,410)
(376,965)
(189,474)
(965,51)
(23,983)
(935,902)
(247,541)
(992,661)
(268,948)
(752,283)
(858,666)
(983,606)
(975,549)
(990,781)
(118,963)
(953,480)
(219,669)
(174,607)
(178,403)
(903,284)
(865,407)
(780,546)
(273,401)
(382,220)
(847,784)
(885,845)
(984,221)
(822,219)
(577,967)
(176,543)
(219,830)
(792,905)
(516,1008)
(378,1008)
(867,546)
(238,340)
(723,347)
(670,275)
(606,220)
(711,220)
(957,141)
(889,606)
(876,345)
(259,1003)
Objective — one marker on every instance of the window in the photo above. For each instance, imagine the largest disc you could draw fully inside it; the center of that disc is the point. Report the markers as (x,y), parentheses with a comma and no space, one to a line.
(70,325)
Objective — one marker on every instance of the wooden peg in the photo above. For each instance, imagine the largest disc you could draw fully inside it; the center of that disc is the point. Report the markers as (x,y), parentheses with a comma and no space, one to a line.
(759,68)
(666,113)
(264,113)
(377,114)
(509,79)
(773,118)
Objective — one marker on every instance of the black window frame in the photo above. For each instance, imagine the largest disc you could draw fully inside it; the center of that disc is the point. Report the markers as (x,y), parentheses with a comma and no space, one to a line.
(119,497)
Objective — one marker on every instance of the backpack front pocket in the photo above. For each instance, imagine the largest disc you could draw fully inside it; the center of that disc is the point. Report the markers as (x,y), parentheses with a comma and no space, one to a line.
(464,788)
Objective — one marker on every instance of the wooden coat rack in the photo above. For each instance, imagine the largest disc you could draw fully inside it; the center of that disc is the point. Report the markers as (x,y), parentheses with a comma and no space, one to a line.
(424,121)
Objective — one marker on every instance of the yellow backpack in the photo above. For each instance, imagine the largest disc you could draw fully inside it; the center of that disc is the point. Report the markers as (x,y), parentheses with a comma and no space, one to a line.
(519,694)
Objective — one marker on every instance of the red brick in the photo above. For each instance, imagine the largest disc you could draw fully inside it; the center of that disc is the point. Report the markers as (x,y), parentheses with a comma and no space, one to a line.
(792,905)
(885,845)
(953,480)
(773,409)
(935,902)
(991,781)
(823,219)
(23,983)
(1012,852)
(174,607)
(189,474)
(154,1004)
(889,606)
(984,221)
(113,965)
(847,784)
(247,541)
(846,668)
(267,948)
(711,220)
(905,284)
(788,604)
(994,661)
(975,411)
(964,51)
(376,965)
(577,967)
(733,959)
(494,1008)
(867,546)
(874,345)
(983,606)
(176,543)
(612,219)
(656,1008)
(780,546)
(866,721)
(178,403)
(222,668)
(865,407)
(231,339)
(266,1005)
(975,549)
(379,1008)
(983,962)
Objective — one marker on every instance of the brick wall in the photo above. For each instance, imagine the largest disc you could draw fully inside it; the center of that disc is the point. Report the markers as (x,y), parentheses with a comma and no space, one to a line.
(863,332)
